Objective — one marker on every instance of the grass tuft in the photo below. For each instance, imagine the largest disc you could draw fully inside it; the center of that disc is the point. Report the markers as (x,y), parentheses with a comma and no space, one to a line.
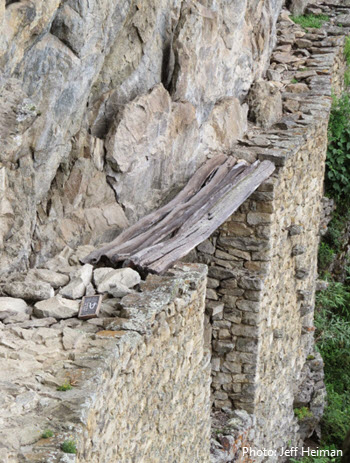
(69,446)
(310,20)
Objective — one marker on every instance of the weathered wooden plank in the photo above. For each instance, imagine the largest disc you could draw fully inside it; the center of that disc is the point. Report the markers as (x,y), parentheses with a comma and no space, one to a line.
(175,218)
(164,254)
(181,213)
(193,186)
(229,182)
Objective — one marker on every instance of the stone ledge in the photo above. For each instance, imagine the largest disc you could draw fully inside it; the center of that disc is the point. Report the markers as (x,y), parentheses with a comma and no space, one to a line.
(94,360)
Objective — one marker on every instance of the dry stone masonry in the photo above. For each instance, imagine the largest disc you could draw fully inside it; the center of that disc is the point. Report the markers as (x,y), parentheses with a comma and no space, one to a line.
(139,374)
(263,261)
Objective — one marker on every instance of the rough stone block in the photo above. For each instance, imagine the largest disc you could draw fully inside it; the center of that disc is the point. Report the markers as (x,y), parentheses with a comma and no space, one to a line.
(246,345)
(258,218)
(223,347)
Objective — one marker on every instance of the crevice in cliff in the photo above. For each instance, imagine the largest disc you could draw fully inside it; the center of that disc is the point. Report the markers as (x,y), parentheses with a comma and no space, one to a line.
(9,2)
(168,64)
(60,30)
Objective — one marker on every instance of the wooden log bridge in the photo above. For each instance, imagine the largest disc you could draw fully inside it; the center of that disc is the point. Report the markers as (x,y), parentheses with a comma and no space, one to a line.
(164,236)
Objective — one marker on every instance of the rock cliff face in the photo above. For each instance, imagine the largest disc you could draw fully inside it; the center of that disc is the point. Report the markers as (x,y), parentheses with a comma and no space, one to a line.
(107,107)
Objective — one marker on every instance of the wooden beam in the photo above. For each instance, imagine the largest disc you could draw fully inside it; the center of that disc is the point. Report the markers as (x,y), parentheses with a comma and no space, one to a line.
(161,238)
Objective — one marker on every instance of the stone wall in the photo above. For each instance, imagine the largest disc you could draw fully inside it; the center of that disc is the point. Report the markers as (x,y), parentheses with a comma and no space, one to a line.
(263,260)
(141,381)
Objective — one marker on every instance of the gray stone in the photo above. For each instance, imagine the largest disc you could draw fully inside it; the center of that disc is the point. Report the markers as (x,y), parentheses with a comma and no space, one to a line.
(248,306)
(80,279)
(250,283)
(301,273)
(294,230)
(321,285)
(344,20)
(207,247)
(265,103)
(216,310)
(12,304)
(116,282)
(223,347)
(29,289)
(71,338)
(55,279)
(297,7)
(273,75)
(257,218)
(40,322)
(16,318)
(56,307)
(278,334)
(246,345)
(298,249)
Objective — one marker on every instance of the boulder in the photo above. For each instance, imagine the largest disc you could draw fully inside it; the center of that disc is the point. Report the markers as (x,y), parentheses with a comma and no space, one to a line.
(297,7)
(56,307)
(12,304)
(55,279)
(116,282)
(80,280)
(265,103)
(30,289)
(16,318)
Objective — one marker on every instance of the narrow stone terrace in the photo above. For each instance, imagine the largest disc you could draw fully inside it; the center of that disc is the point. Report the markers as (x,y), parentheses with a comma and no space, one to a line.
(262,261)
(137,375)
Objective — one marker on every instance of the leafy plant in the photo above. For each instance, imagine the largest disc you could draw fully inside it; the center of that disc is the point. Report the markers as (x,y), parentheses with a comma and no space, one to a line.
(332,321)
(294,81)
(65,387)
(69,446)
(302,413)
(335,299)
(310,20)
(325,256)
(336,420)
(47,433)
(338,156)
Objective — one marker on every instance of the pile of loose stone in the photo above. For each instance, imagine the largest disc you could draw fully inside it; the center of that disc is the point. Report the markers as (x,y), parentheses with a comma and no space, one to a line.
(43,345)
(55,291)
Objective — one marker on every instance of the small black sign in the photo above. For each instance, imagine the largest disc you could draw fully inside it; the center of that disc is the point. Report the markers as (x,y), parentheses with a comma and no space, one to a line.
(90,306)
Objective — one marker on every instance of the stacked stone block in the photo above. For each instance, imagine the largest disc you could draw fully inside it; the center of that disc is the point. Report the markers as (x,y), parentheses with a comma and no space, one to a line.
(263,260)
(141,380)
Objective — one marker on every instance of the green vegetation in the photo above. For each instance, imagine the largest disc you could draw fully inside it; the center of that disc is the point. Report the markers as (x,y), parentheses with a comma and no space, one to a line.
(310,20)
(332,313)
(332,321)
(302,413)
(347,50)
(347,78)
(325,256)
(319,459)
(310,357)
(46,434)
(335,298)
(69,446)
(65,387)
(294,81)
(338,156)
